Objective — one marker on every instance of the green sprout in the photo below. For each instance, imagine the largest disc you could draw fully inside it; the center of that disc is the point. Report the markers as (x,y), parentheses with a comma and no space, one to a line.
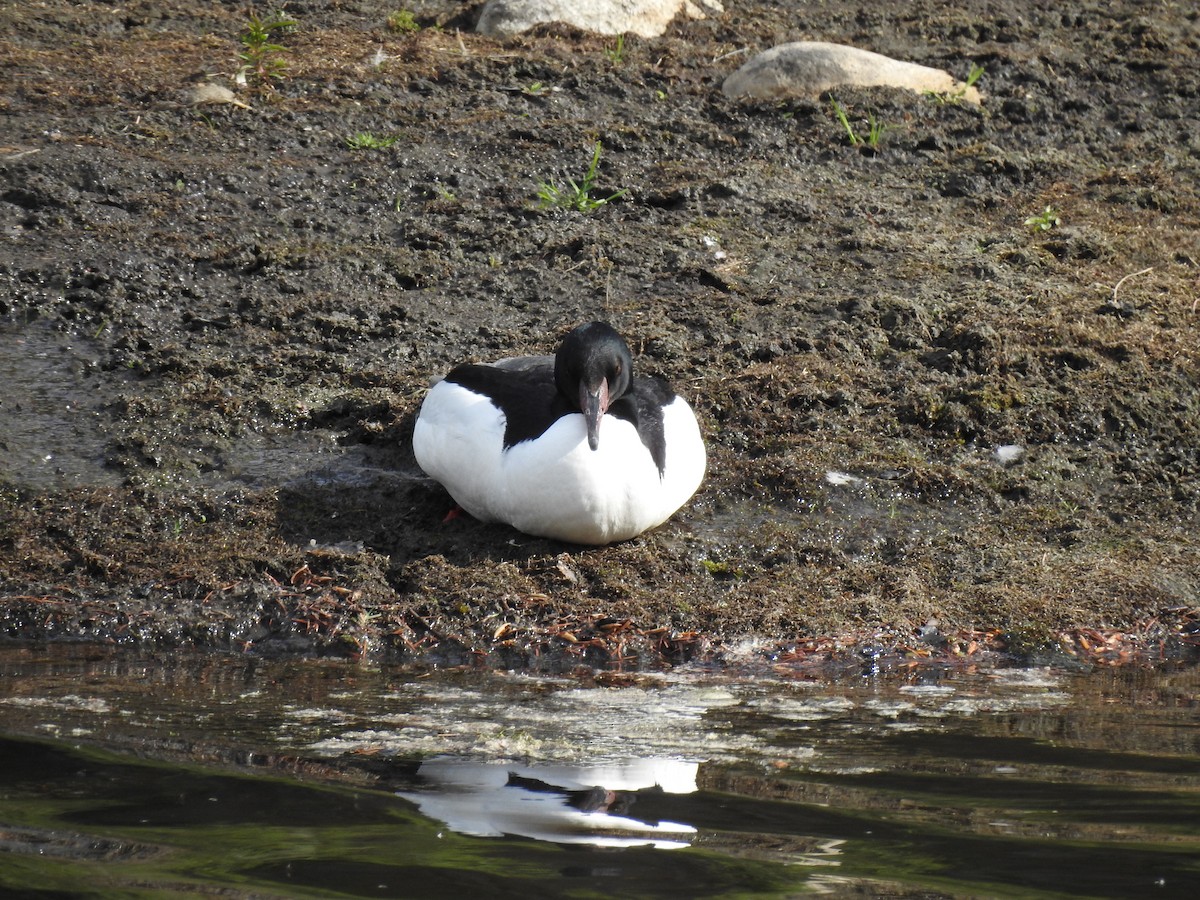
(1044,221)
(616,53)
(262,60)
(875,128)
(402,22)
(576,195)
(365,140)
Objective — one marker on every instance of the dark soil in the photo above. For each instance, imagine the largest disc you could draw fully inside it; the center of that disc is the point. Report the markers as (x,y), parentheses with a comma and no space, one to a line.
(217,324)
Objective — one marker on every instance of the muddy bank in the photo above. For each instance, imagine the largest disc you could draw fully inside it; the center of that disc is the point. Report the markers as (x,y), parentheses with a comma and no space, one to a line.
(217,324)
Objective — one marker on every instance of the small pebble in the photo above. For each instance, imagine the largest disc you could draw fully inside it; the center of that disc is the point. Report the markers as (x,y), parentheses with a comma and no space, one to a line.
(839,479)
(208,92)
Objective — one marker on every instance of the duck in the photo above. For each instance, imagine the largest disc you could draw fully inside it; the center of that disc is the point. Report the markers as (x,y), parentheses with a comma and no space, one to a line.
(572,447)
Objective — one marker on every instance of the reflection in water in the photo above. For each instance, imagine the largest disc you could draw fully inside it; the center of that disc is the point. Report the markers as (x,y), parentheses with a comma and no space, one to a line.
(251,778)
(560,803)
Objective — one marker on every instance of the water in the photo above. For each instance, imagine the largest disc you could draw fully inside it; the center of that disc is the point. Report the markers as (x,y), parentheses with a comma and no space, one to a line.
(182,774)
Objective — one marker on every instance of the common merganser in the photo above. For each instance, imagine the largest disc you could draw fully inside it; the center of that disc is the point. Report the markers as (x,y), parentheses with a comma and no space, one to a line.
(571,447)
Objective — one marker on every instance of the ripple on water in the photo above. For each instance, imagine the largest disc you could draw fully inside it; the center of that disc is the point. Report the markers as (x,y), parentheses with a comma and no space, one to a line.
(856,777)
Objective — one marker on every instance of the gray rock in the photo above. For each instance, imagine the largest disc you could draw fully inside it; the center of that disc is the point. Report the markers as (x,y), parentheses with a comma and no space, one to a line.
(647,18)
(807,68)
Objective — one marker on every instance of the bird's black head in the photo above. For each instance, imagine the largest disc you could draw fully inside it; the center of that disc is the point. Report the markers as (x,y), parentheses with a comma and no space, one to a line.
(592,368)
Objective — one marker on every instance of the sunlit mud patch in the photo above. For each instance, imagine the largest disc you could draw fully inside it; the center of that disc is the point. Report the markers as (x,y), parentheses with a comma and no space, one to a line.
(885,516)
(558,803)
(52,423)
(57,429)
(300,460)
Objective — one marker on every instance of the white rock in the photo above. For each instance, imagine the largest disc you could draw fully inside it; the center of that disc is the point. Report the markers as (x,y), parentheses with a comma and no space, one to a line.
(841,479)
(647,18)
(807,68)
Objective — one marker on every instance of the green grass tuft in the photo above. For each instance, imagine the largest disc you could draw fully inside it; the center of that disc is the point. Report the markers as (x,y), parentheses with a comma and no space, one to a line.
(366,140)
(875,128)
(402,22)
(576,195)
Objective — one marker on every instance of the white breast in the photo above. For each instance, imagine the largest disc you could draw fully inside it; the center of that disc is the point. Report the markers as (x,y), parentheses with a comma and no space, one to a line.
(556,486)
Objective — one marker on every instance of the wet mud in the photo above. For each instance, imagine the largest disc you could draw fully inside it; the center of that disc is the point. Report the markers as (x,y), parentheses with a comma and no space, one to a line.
(948,382)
